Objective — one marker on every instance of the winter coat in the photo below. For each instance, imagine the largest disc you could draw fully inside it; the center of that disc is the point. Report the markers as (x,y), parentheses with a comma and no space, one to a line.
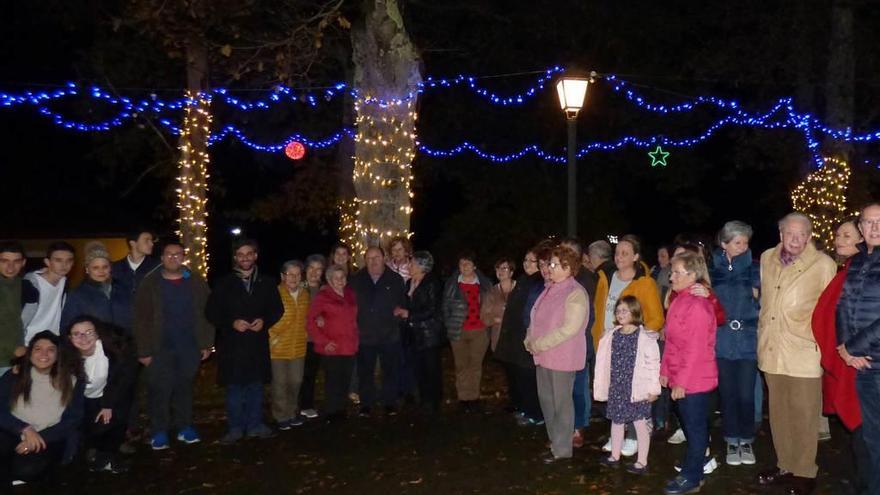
(287,338)
(376,302)
(492,309)
(558,327)
(733,283)
(513,327)
(149,324)
(455,305)
(689,356)
(89,299)
(646,371)
(858,312)
(340,321)
(786,345)
(129,279)
(839,394)
(642,287)
(243,357)
(423,329)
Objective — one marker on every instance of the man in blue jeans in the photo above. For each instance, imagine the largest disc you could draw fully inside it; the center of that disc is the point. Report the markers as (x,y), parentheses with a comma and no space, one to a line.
(858,333)
(243,306)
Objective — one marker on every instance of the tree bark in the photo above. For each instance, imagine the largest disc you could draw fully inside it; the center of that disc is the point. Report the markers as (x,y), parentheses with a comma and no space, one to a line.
(386,67)
(840,83)
(194,159)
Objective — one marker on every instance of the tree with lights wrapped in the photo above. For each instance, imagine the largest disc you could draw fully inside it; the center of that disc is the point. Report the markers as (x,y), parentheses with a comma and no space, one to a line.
(822,197)
(386,67)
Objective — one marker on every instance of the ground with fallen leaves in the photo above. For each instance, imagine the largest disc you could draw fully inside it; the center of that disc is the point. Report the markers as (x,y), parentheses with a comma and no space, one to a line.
(450,453)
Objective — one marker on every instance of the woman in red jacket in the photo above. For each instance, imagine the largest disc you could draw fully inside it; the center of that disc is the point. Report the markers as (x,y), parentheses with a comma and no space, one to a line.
(332,325)
(839,380)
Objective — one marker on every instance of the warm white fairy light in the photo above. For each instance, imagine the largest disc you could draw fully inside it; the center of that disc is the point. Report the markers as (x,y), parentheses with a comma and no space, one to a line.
(822,197)
(192,192)
(385,147)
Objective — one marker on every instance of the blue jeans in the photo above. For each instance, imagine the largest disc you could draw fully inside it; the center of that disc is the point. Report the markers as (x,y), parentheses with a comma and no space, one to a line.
(244,406)
(389,356)
(759,398)
(694,413)
(581,397)
(736,385)
(868,390)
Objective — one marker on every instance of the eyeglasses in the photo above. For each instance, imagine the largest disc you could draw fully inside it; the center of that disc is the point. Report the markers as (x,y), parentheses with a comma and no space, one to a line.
(174,255)
(82,335)
(530,260)
(554,265)
(505,268)
(870,223)
(680,273)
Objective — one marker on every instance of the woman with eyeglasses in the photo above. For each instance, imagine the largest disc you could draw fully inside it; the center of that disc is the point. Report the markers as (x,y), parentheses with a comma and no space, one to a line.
(555,338)
(688,366)
(41,409)
(519,367)
(110,366)
(492,309)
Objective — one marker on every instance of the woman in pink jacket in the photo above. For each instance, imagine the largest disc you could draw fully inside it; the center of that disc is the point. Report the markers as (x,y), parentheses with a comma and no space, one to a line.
(556,338)
(688,366)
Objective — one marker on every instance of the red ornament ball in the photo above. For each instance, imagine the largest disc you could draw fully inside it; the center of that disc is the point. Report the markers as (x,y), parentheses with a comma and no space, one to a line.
(295,150)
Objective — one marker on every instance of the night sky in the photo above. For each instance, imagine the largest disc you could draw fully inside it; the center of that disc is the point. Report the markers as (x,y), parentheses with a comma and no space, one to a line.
(62,183)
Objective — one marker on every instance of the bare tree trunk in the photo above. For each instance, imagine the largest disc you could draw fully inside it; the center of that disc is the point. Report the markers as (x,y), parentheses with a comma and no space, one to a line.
(386,67)
(840,84)
(194,159)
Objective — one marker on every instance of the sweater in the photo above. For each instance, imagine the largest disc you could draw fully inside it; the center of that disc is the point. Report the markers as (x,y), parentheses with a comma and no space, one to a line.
(689,355)
(287,338)
(509,348)
(558,326)
(65,429)
(455,305)
(149,319)
(646,372)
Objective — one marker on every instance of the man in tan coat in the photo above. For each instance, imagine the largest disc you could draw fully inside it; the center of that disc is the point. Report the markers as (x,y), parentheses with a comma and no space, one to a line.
(793,276)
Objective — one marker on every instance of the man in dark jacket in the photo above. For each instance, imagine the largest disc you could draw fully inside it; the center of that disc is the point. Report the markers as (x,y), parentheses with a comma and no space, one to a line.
(15,293)
(131,270)
(172,337)
(858,332)
(379,292)
(243,306)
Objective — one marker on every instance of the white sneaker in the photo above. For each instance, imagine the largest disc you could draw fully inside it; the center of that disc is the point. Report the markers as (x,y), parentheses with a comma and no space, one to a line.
(708,468)
(607,446)
(630,447)
(309,413)
(677,437)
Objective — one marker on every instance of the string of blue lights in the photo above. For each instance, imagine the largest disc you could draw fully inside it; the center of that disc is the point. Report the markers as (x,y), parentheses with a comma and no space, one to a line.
(781,115)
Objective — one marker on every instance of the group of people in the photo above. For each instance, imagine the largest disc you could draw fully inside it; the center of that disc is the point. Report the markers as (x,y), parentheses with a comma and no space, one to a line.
(702,329)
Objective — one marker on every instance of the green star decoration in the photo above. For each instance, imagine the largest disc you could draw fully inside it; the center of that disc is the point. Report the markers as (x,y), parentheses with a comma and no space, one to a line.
(658,157)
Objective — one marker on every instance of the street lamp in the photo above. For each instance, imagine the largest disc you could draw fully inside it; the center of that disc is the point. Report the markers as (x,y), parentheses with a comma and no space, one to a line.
(572,91)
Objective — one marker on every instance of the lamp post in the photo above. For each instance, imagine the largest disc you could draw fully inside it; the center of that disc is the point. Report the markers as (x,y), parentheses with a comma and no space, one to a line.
(572,91)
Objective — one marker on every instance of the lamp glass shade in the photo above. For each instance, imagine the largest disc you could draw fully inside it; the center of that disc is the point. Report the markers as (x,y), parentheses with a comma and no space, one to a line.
(572,92)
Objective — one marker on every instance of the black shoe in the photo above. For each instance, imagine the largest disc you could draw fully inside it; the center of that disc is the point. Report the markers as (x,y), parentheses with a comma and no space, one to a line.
(774,476)
(390,411)
(364,412)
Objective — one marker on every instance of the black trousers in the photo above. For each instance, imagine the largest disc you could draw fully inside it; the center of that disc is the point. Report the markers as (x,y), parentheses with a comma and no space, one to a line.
(337,380)
(310,375)
(27,467)
(527,390)
(105,438)
(170,376)
(429,375)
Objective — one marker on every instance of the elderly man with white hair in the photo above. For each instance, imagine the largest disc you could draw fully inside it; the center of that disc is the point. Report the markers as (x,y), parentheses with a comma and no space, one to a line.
(793,276)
